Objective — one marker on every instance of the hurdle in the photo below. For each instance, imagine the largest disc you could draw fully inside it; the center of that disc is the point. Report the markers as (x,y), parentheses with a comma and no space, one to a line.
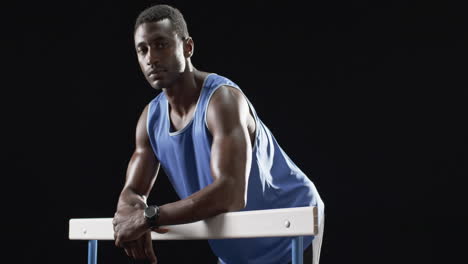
(285,222)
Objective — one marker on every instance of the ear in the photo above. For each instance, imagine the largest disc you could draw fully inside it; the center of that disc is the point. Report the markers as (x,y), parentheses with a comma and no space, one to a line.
(188,47)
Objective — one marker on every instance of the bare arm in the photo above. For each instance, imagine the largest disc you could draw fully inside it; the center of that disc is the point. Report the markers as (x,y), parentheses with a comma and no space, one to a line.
(231,155)
(142,170)
(130,228)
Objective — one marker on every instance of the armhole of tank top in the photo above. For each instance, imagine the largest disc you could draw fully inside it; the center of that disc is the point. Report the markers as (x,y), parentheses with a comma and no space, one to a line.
(251,110)
(147,119)
(147,129)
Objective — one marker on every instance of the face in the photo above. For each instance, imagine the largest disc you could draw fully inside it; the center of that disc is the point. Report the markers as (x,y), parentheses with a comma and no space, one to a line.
(162,54)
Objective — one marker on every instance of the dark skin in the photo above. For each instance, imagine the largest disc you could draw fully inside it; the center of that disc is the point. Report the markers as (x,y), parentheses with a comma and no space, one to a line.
(164,58)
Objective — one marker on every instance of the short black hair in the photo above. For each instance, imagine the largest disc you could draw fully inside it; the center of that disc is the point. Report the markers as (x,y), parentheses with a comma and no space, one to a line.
(157,13)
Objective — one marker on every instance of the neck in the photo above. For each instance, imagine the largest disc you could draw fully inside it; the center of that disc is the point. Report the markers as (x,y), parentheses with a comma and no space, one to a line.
(183,95)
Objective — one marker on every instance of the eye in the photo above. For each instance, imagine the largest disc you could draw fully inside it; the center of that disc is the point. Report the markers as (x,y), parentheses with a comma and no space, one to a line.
(141,50)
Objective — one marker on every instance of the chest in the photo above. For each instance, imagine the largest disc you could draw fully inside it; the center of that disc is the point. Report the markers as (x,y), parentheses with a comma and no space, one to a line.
(178,122)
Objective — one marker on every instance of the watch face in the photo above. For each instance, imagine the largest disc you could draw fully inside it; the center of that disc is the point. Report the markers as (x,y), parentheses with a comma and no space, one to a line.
(150,211)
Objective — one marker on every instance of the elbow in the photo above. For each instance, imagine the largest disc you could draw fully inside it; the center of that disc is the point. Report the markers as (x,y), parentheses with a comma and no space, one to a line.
(237,202)
(228,205)
(233,206)
(232,196)
(237,205)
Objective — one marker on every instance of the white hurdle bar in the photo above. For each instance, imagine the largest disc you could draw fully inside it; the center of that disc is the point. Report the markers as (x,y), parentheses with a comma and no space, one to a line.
(286,222)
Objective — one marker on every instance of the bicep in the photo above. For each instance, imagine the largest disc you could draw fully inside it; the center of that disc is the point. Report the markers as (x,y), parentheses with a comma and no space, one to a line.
(231,151)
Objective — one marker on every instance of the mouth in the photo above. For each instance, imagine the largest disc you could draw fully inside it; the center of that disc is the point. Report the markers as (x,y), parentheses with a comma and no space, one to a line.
(155,73)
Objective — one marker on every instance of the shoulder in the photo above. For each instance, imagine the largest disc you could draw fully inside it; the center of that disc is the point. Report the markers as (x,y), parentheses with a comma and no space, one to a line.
(227,107)
(143,118)
(226,97)
(141,129)
(213,81)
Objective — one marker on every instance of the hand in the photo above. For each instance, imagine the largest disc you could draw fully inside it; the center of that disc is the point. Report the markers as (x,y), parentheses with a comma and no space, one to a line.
(129,225)
(141,249)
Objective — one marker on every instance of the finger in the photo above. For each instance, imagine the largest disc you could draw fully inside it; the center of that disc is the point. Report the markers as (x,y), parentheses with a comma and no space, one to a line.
(115,219)
(119,240)
(128,251)
(148,243)
(160,230)
(116,242)
(139,249)
(116,227)
(133,249)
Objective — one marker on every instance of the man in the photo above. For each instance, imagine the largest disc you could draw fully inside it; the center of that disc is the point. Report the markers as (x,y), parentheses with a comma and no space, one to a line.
(217,153)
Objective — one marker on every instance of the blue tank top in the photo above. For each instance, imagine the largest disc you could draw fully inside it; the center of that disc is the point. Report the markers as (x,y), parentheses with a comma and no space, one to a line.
(274,181)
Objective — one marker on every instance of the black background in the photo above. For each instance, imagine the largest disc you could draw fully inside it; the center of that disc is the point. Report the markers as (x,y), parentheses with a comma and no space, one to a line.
(365,96)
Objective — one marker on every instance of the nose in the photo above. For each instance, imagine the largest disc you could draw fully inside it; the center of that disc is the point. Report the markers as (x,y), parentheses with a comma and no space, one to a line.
(152,57)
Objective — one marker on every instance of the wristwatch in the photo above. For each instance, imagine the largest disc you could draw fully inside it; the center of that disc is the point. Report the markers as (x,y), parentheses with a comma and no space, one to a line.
(152,215)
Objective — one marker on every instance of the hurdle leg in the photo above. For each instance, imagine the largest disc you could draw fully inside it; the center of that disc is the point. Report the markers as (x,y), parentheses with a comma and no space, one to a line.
(297,250)
(92,252)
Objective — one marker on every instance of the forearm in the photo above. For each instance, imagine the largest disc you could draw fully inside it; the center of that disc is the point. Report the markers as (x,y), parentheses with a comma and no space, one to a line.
(141,175)
(218,197)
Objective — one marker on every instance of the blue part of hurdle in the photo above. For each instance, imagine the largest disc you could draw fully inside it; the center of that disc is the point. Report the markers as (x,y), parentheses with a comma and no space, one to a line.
(92,252)
(297,250)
